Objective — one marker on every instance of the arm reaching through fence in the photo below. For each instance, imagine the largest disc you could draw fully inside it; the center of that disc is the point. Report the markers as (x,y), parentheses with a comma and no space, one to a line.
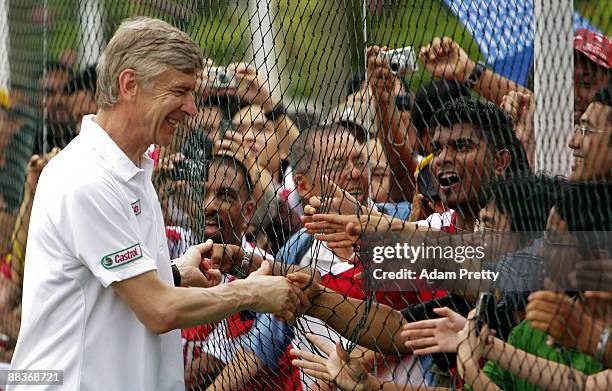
(444,58)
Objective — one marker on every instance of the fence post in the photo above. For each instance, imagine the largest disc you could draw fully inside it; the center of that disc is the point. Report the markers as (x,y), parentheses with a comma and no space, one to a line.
(554,89)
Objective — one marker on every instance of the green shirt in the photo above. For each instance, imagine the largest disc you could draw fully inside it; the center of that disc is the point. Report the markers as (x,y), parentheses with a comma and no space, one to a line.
(533,341)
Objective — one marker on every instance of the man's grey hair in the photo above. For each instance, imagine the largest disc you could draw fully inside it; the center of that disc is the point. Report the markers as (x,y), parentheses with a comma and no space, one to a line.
(150,47)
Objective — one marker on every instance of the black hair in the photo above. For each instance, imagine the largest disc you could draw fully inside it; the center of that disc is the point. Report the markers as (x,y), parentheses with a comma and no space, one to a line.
(493,123)
(432,97)
(586,206)
(525,197)
(228,105)
(304,119)
(604,96)
(84,80)
(593,66)
(58,66)
(231,162)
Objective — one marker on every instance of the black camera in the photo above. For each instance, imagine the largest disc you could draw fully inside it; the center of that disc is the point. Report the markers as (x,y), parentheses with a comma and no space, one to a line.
(426,184)
(198,150)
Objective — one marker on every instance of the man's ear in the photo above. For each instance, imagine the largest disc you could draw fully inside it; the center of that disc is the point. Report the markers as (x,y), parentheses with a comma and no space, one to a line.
(502,161)
(128,85)
(248,209)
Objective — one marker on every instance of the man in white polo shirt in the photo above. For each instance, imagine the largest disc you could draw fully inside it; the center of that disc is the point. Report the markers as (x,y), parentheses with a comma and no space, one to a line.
(96,223)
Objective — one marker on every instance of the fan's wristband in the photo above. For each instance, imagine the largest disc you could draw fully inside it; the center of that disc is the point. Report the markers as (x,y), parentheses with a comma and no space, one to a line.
(477,73)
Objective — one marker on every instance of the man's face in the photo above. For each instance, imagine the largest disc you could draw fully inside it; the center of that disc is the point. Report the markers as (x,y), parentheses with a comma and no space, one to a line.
(54,81)
(462,164)
(81,103)
(209,120)
(226,207)
(164,104)
(381,174)
(588,79)
(260,137)
(343,160)
(592,152)
(491,218)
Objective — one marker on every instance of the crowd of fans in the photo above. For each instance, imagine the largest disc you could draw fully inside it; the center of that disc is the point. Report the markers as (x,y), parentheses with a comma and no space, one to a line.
(451,163)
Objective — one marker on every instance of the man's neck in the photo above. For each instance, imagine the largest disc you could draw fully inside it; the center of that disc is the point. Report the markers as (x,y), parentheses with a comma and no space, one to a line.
(119,130)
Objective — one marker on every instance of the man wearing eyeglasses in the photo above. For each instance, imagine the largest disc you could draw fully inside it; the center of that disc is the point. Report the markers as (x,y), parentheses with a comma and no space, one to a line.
(591,140)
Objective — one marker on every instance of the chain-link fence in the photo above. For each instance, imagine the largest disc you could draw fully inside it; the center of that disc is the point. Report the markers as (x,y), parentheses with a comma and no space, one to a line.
(409,165)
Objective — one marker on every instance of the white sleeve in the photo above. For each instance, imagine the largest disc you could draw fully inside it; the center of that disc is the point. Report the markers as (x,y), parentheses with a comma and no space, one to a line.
(102,231)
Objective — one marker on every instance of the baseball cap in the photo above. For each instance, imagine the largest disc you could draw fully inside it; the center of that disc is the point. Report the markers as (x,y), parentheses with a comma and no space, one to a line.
(597,47)
(356,112)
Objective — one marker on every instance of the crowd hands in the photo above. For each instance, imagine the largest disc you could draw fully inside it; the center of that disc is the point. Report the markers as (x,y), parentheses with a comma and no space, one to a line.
(248,208)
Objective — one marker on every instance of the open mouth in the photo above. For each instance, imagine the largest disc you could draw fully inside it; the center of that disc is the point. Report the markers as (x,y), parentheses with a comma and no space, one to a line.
(212,223)
(448,179)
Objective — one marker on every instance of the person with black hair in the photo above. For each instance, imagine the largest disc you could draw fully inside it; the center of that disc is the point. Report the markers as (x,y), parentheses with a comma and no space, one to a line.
(80,97)
(472,142)
(592,139)
(430,98)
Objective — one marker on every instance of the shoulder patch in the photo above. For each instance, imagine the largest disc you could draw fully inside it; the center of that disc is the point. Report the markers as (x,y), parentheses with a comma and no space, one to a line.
(122,257)
(136,207)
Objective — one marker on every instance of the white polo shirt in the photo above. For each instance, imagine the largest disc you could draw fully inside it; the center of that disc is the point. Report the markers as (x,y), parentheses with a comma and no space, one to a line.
(96,220)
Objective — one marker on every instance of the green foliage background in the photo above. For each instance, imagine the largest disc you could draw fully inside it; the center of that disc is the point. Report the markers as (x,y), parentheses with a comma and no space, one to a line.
(318,44)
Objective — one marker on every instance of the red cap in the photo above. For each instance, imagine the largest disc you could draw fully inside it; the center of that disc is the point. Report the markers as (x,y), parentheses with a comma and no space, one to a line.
(597,47)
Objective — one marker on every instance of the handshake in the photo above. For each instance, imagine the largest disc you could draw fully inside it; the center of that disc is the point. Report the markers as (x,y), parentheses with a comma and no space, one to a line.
(286,296)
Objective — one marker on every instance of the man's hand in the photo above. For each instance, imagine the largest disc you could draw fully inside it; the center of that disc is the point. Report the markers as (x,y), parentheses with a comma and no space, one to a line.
(352,224)
(435,335)
(276,295)
(472,346)
(561,317)
(521,108)
(383,82)
(224,257)
(338,367)
(195,270)
(309,281)
(251,89)
(334,200)
(35,167)
(445,59)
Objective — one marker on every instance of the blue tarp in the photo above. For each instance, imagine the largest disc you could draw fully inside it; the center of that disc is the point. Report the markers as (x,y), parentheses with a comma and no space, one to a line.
(504,31)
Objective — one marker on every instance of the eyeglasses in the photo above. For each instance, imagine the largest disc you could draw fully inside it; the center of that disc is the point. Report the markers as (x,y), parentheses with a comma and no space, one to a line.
(344,166)
(582,130)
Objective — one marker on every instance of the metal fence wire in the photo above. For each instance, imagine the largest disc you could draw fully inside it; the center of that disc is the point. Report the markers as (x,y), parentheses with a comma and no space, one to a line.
(440,168)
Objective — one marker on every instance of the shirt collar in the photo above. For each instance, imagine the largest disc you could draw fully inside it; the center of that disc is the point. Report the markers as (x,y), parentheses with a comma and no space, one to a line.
(110,151)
